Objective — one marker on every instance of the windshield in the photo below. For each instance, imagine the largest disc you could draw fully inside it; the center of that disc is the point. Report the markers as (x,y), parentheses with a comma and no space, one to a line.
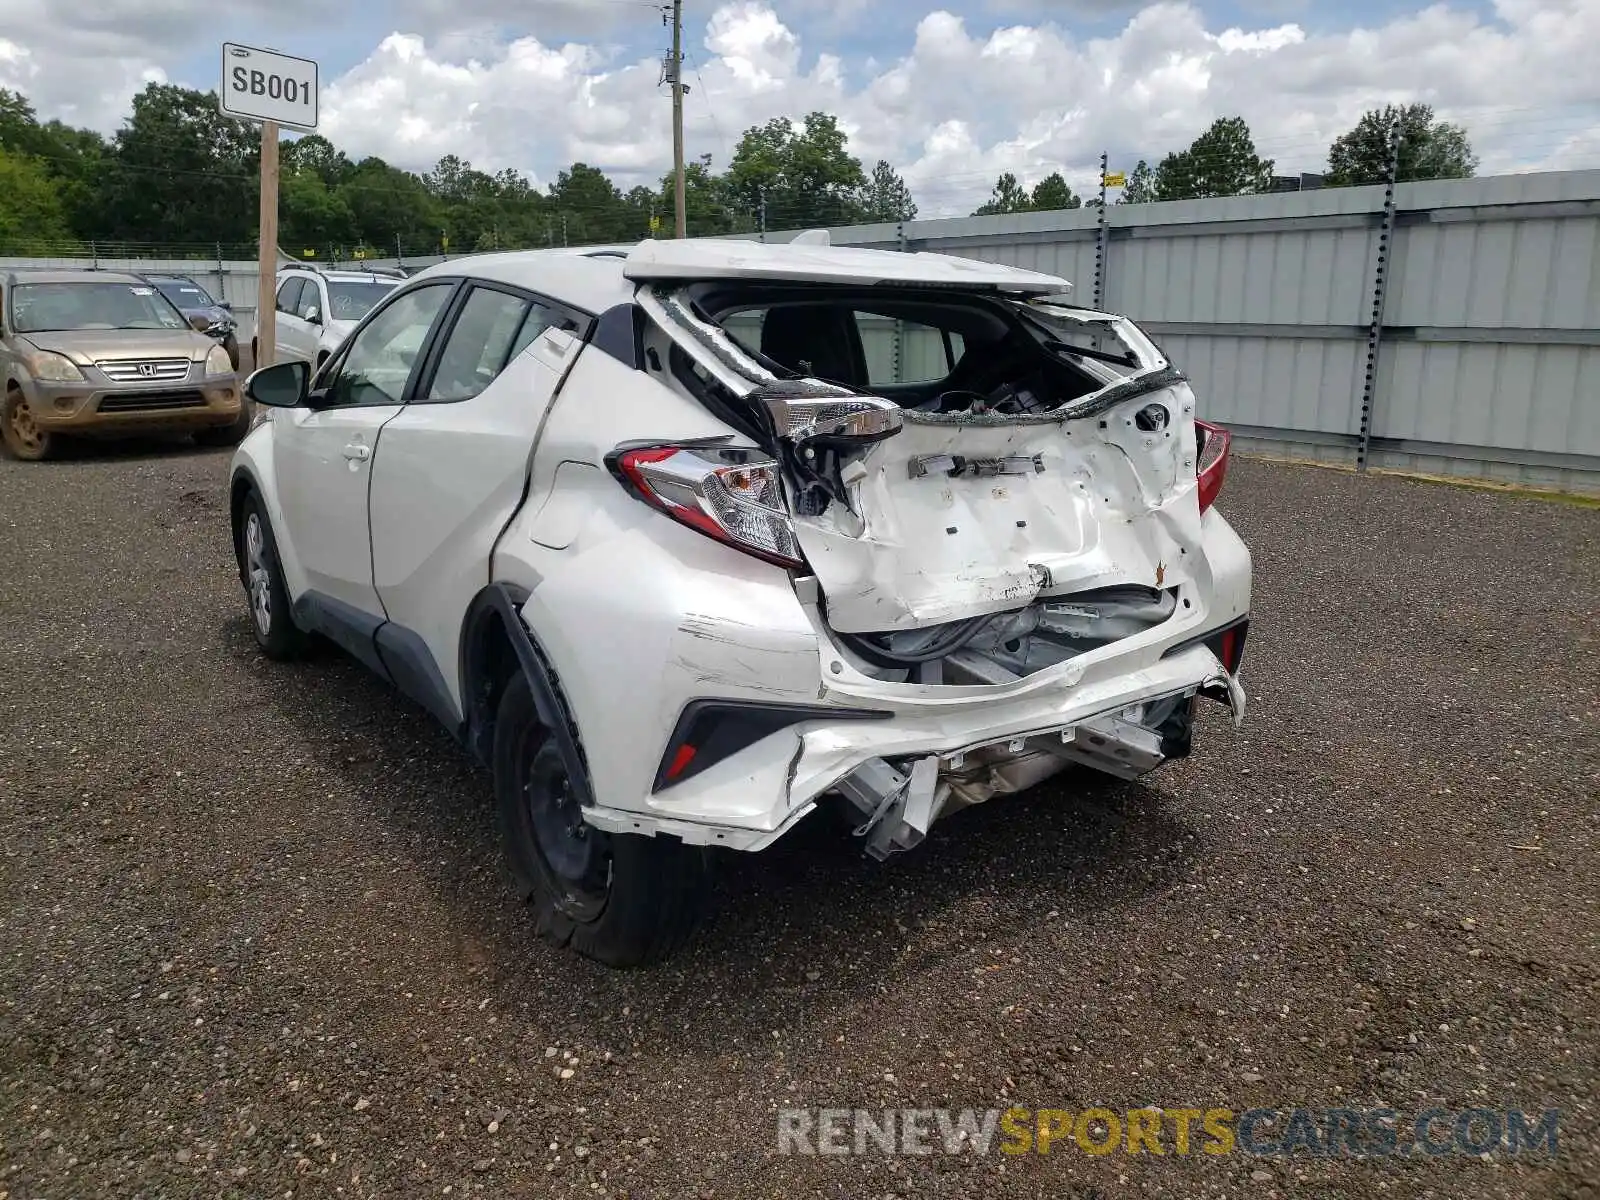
(352,301)
(51,307)
(185,294)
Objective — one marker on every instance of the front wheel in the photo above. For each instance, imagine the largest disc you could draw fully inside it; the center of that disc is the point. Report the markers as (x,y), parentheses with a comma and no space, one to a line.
(21,435)
(621,899)
(226,435)
(270,619)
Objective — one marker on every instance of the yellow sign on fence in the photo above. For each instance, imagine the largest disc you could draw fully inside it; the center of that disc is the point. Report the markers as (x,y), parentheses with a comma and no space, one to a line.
(1116,179)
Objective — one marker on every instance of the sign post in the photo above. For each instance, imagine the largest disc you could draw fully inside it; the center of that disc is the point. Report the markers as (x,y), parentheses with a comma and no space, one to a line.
(274,89)
(266,339)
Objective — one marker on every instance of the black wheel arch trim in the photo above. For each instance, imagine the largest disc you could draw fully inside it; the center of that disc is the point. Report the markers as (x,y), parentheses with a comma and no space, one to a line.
(240,475)
(719,729)
(503,601)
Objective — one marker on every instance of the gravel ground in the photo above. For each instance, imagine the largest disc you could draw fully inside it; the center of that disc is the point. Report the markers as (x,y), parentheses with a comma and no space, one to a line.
(255,938)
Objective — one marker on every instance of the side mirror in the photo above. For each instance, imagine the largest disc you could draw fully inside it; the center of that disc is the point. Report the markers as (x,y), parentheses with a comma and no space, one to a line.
(227,304)
(282,385)
(314,315)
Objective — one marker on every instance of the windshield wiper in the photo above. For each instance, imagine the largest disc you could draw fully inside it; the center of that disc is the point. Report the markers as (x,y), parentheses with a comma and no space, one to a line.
(1060,347)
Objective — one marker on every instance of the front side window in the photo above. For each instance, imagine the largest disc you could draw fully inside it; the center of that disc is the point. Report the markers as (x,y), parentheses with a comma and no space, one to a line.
(493,328)
(350,301)
(53,307)
(382,356)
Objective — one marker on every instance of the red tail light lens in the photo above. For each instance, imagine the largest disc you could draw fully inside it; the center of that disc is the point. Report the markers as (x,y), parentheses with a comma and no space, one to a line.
(732,495)
(1212,466)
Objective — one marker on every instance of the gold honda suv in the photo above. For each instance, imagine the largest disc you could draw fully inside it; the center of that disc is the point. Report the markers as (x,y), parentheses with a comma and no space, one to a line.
(100,353)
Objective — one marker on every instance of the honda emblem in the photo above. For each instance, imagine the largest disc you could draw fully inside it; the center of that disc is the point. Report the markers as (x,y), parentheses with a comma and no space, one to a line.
(147,370)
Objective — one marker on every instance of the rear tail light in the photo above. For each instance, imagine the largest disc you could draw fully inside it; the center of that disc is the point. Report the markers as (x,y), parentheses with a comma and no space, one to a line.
(732,495)
(1212,464)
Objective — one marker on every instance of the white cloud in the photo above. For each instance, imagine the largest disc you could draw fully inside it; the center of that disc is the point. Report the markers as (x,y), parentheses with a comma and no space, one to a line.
(962,101)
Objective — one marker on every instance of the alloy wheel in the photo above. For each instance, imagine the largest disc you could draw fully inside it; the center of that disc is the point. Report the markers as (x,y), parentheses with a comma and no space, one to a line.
(258,573)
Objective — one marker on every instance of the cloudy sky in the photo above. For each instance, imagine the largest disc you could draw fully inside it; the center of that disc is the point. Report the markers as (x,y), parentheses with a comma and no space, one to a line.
(951,93)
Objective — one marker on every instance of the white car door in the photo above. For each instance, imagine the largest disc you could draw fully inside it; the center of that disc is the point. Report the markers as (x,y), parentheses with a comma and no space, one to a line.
(288,331)
(323,454)
(451,474)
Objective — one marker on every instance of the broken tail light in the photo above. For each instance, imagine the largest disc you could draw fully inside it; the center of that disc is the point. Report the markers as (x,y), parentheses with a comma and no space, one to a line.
(732,495)
(1211,466)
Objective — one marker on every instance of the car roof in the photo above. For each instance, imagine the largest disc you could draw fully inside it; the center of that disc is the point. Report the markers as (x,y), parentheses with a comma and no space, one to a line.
(339,276)
(812,260)
(68,275)
(595,278)
(586,277)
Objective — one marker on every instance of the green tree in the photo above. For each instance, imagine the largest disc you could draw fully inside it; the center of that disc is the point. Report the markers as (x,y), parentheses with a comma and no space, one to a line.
(1429,148)
(313,216)
(1141,185)
(886,196)
(32,216)
(1008,196)
(806,176)
(181,172)
(1222,161)
(592,208)
(391,207)
(313,152)
(1052,192)
(72,158)
(707,204)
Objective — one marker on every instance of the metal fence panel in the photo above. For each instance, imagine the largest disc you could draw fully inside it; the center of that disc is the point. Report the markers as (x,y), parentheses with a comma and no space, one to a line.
(1487,363)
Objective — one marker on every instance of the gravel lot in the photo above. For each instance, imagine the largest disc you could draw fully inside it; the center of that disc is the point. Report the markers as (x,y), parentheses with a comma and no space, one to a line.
(255,939)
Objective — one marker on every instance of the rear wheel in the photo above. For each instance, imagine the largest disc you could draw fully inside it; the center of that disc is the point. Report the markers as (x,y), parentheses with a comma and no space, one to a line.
(270,617)
(21,434)
(621,899)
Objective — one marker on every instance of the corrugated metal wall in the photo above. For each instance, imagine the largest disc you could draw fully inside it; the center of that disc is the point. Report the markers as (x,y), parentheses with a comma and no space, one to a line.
(1489,359)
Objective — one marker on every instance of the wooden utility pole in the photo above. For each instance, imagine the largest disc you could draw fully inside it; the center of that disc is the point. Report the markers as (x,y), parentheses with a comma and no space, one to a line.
(267,293)
(680,205)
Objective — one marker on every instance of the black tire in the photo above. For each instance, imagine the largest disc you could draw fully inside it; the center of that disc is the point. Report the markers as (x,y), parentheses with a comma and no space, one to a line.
(226,435)
(231,345)
(276,633)
(22,438)
(621,899)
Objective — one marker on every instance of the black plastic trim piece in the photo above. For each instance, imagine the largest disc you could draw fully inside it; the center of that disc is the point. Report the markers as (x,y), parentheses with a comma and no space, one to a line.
(719,729)
(1212,639)
(344,624)
(410,665)
(505,599)
(619,332)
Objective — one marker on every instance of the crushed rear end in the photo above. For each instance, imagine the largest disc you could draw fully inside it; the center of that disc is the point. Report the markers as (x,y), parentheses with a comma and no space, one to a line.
(1011,568)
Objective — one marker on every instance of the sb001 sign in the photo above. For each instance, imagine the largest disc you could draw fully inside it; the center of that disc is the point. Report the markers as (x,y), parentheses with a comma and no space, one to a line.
(263,85)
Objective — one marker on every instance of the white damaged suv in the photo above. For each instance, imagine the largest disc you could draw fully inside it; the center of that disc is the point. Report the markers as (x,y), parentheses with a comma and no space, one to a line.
(686,539)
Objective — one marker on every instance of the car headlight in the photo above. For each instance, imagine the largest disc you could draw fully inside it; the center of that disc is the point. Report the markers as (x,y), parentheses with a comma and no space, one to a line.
(217,361)
(57,368)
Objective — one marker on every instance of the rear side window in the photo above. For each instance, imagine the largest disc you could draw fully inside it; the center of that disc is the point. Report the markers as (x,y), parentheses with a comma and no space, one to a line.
(289,295)
(899,351)
(493,328)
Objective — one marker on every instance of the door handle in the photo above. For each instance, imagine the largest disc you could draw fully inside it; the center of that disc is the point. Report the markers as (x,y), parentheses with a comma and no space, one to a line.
(356,452)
